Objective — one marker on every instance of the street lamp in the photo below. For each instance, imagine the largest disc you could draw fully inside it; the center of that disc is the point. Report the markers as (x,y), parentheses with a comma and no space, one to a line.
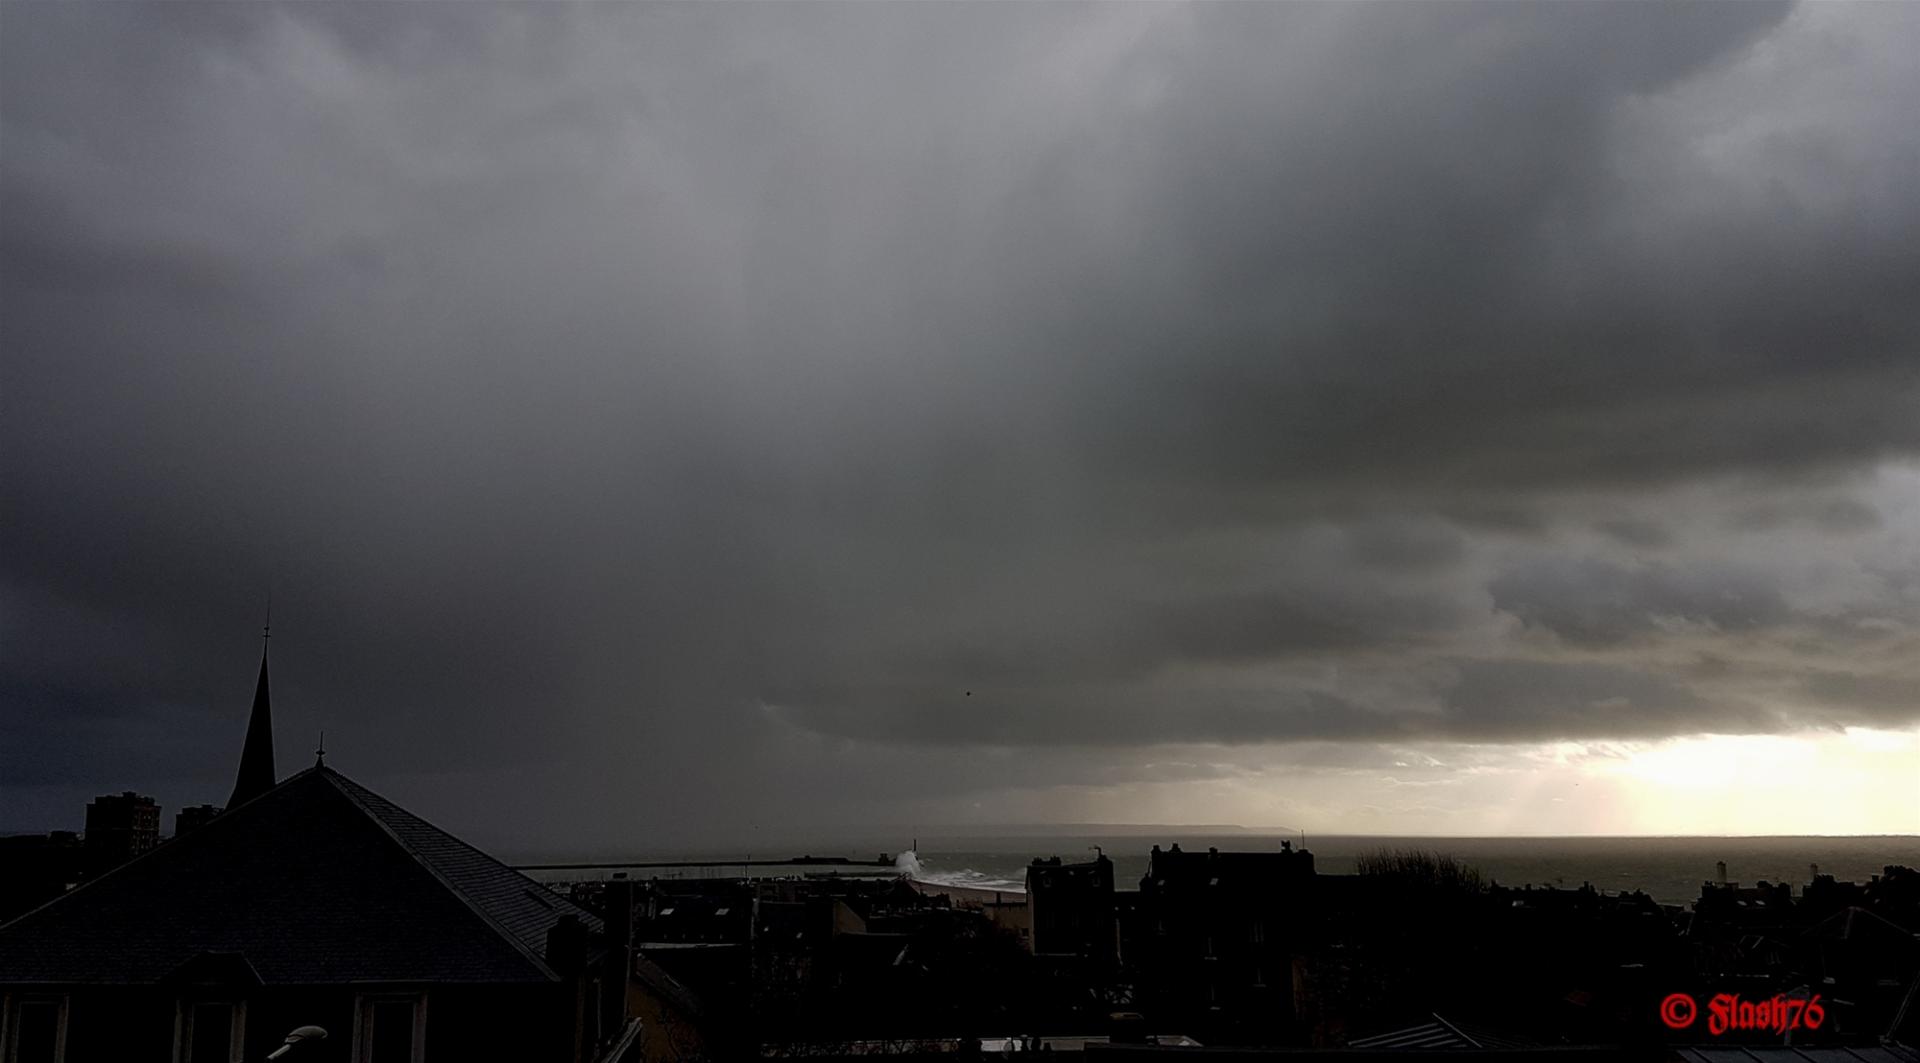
(304,1033)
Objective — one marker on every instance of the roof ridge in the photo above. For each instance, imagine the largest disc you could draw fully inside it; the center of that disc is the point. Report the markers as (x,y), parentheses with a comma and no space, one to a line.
(1457,1031)
(532,883)
(164,846)
(346,788)
(469,847)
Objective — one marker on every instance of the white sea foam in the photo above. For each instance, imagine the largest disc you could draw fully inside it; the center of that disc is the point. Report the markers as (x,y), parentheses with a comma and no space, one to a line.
(910,866)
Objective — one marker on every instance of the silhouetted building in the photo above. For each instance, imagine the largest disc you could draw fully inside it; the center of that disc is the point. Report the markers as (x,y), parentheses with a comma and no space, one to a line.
(36,868)
(1894,895)
(1733,908)
(192,818)
(1863,963)
(816,960)
(1217,931)
(119,828)
(318,902)
(1071,909)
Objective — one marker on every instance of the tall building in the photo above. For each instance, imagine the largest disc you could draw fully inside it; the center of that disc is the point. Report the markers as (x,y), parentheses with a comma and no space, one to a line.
(192,818)
(119,828)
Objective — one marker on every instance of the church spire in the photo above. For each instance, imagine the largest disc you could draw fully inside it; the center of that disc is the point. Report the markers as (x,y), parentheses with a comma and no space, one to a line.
(256,756)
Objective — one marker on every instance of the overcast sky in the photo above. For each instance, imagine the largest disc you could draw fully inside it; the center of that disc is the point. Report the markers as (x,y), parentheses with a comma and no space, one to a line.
(662,422)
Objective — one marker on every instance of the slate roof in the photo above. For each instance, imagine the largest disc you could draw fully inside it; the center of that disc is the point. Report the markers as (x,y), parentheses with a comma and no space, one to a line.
(317,881)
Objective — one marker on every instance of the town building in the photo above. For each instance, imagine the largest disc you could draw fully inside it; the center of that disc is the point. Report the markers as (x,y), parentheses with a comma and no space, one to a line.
(1071,908)
(119,828)
(1217,932)
(192,818)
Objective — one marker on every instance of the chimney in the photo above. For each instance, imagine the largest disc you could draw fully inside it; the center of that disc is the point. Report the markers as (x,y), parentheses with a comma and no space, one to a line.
(1720,871)
(619,961)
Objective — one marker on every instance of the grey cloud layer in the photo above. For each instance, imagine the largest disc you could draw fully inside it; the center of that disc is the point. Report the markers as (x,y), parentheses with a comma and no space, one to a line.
(597,382)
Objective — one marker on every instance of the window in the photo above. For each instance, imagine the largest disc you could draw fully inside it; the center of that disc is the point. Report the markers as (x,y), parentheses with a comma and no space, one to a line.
(211,1031)
(390,1028)
(36,1030)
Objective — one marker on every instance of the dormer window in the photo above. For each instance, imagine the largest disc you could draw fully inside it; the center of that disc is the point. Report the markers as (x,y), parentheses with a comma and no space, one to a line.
(211,1030)
(36,1030)
(390,1028)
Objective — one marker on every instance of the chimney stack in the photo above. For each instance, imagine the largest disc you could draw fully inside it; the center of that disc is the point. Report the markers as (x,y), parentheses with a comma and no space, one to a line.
(567,946)
(619,961)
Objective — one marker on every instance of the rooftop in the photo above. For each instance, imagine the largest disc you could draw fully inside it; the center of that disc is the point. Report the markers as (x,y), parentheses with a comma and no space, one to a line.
(316,881)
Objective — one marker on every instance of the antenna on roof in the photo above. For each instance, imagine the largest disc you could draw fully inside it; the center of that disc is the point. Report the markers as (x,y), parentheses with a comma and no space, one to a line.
(267,631)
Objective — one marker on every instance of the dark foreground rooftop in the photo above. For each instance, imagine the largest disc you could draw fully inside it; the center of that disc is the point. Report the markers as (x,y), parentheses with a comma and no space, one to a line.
(318,880)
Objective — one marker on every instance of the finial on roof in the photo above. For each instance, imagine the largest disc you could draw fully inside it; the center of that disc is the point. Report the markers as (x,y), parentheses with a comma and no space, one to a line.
(320,754)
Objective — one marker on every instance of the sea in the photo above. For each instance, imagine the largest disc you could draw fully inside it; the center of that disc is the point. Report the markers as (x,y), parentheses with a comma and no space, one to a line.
(1670,869)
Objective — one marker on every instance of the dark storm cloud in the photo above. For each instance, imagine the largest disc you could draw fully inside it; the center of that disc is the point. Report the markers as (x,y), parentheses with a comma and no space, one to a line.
(1599,603)
(1545,700)
(1887,698)
(1467,700)
(1085,717)
(1406,546)
(695,404)
(1838,516)
(1643,534)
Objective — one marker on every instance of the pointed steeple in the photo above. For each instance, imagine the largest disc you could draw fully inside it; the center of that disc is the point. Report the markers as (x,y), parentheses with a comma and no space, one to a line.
(256,756)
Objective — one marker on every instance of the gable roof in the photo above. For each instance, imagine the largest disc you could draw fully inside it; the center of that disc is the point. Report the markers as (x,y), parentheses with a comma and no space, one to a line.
(317,881)
(1856,924)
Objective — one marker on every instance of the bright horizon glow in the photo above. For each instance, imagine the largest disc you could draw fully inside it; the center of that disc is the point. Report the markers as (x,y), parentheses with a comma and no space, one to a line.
(1859,781)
